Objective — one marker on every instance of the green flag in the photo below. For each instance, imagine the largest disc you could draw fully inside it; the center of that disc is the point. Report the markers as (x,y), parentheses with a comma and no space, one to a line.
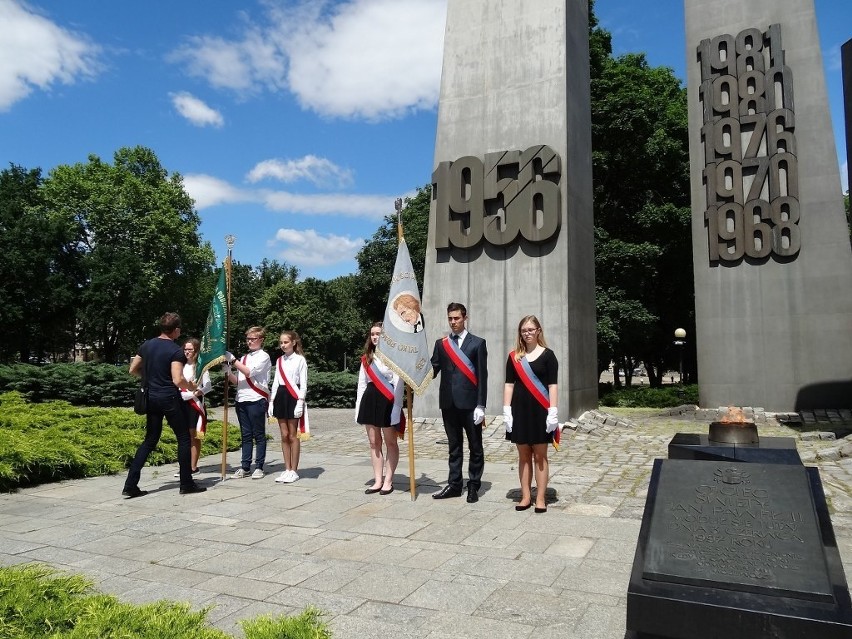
(213,345)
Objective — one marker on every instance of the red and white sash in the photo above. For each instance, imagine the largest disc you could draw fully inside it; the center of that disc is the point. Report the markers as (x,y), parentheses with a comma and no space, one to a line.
(384,387)
(460,359)
(304,425)
(533,384)
(257,389)
(197,406)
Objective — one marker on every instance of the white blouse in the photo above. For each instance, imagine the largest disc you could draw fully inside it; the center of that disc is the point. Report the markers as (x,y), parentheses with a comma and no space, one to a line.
(296,369)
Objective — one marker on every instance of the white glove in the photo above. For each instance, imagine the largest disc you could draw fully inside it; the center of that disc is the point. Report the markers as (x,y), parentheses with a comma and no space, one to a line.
(229,357)
(478,415)
(300,408)
(507,418)
(186,395)
(552,419)
(269,410)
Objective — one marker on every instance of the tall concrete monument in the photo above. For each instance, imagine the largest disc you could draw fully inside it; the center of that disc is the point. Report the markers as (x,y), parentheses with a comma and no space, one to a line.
(511,229)
(773,266)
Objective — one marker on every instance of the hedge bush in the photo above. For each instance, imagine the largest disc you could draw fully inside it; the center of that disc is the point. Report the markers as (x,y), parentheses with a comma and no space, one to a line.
(89,384)
(647,397)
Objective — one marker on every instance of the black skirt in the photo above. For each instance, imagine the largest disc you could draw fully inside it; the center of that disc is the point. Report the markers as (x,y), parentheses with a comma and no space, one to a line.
(283,404)
(375,409)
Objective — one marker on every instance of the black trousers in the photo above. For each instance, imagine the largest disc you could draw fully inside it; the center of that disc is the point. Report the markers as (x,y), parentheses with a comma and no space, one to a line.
(172,410)
(456,423)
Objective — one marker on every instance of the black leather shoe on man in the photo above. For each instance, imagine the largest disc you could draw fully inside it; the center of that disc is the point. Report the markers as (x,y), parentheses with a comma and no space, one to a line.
(130,493)
(446,492)
(472,495)
(195,488)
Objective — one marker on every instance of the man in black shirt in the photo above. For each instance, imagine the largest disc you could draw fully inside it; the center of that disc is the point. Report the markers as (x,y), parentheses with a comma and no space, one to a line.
(160,363)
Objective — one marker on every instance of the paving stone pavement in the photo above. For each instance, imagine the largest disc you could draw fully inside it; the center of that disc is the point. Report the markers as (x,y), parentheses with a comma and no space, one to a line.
(384,565)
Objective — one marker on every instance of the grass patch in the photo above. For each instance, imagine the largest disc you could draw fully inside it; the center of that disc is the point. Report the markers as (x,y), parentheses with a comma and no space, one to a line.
(52,441)
(37,602)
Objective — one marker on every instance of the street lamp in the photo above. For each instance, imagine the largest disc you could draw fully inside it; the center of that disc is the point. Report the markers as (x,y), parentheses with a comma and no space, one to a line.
(680,341)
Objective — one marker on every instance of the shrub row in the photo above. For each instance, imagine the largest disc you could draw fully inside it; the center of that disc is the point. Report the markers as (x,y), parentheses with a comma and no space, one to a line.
(647,397)
(92,384)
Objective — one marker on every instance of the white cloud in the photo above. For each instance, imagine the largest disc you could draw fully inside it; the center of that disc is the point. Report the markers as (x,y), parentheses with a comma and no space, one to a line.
(369,207)
(37,53)
(369,59)
(318,171)
(372,59)
(195,110)
(309,248)
(209,191)
(241,66)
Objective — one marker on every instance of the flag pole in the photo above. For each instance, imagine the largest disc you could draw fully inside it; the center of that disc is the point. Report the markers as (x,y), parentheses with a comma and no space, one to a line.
(412,483)
(409,396)
(229,242)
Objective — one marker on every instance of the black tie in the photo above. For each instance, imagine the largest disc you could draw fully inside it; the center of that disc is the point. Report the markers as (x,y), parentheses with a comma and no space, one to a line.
(455,338)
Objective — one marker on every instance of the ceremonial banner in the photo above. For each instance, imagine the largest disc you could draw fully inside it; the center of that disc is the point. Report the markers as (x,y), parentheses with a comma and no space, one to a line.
(213,345)
(403,345)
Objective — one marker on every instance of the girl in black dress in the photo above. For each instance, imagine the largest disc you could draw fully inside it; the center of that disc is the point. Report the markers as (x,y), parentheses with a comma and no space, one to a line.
(379,410)
(530,408)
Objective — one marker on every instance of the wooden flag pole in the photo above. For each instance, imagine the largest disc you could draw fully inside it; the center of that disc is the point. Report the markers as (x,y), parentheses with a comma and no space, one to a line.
(229,242)
(412,477)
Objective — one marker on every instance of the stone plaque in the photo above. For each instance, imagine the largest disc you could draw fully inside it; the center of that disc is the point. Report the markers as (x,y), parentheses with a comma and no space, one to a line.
(736,526)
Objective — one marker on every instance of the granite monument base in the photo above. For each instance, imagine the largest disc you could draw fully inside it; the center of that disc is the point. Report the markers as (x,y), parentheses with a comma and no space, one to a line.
(736,550)
(770,450)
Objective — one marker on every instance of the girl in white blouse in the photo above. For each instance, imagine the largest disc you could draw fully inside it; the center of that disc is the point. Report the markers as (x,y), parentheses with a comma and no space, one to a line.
(289,388)
(194,400)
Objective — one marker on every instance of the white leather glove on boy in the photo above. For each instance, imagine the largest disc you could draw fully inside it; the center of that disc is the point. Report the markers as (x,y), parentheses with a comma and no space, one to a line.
(507,418)
(478,415)
(552,419)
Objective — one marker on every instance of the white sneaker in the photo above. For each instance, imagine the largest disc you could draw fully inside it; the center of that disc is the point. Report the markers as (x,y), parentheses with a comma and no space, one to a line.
(282,478)
(240,474)
(257,474)
(288,477)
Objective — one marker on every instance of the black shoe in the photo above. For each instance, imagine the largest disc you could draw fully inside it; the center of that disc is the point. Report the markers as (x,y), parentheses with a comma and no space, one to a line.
(194,488)
(386,492)
(540,510)
(519,508)
(372,491)
(472,495)
(130,493)
(446,492)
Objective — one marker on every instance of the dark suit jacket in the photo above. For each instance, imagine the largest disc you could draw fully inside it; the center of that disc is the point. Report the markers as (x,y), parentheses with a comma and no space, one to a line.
(456,389)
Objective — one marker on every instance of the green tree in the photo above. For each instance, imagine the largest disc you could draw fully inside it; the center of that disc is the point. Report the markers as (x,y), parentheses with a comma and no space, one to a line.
(643,256)
(250,288)
(324,314)
(39,273)
(137,234)
(378,256)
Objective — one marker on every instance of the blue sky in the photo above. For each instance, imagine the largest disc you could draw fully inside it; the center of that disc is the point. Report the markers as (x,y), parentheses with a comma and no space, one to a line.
(295,123)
